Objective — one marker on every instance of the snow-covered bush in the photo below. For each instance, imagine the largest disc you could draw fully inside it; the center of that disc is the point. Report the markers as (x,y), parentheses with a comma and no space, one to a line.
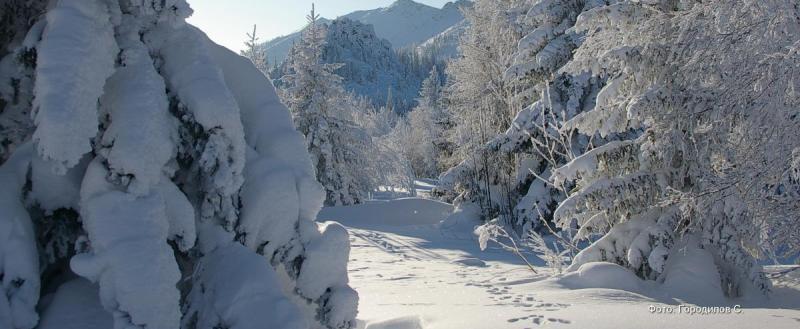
(495,233)
(163,168)
(555,254)
(708,85)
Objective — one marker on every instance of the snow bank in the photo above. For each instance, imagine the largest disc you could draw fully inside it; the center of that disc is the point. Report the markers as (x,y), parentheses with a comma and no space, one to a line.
(76,305)
(691,274)
(409,322)
(464,219)
(400,212)
(602,275)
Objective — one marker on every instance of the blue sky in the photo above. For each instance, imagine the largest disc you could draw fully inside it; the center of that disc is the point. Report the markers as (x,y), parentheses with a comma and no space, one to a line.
(227,21)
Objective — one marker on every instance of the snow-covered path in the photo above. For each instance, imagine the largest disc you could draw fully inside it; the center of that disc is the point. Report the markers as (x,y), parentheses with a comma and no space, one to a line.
(411,274)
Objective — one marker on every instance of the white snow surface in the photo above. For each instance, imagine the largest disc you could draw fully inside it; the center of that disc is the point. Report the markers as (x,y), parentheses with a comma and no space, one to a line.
(400,212)
(52,190)
(77,45)
(139,138)
(418,274)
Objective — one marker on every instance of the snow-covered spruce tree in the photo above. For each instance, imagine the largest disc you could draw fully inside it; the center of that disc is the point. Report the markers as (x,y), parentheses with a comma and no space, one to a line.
(162,168)
(322,112)
(714,85)
(483,104)
(429,122)
(255,52)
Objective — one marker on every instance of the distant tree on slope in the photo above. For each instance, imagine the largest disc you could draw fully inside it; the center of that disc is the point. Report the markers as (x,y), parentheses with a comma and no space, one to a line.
(255,52)
(429,122)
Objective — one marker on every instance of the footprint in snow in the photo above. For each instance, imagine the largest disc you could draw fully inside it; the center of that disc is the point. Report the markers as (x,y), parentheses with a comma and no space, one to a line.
(471,262)
(552,305)
(539,319)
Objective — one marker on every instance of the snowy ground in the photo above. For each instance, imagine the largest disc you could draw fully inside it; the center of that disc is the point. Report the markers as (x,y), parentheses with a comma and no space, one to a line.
(412,274)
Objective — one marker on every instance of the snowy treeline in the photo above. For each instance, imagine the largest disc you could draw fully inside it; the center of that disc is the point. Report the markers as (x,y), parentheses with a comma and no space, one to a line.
(160,167)
(640,126)
(424,128)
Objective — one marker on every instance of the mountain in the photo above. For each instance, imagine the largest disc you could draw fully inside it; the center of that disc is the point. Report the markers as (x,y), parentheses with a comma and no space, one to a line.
(404,23)
(278,48)
(371,66)
(445,45)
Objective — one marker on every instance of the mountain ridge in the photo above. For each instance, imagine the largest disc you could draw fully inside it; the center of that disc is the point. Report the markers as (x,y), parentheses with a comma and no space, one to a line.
(420,23)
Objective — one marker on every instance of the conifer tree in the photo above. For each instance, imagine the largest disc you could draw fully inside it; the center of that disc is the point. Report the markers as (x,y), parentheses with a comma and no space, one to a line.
(323,113)
(254,51)
(159,177)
